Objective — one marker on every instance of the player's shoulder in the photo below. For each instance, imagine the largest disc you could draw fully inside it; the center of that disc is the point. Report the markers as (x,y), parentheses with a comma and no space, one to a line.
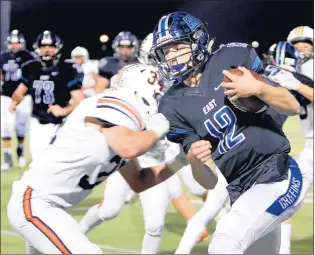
(4,53)
(25,54)
(237,54)
(106,61)
(31,64)
(232,50)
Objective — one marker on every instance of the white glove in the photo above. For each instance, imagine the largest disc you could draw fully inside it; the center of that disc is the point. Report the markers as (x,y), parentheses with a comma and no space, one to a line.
(159,124)
(286,80)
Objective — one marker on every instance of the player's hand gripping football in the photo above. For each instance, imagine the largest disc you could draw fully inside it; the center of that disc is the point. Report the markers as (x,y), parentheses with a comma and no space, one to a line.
(56,110)
(241,86)
(200,151)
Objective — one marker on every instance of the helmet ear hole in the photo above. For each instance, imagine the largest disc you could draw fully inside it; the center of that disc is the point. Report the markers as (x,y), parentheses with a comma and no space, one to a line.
(145,101)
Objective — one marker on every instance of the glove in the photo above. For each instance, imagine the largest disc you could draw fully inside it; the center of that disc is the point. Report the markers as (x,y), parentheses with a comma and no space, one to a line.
(286,80)
(159,124)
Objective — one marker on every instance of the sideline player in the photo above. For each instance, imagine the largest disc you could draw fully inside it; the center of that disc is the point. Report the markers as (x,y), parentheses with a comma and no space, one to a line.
(89,69)
(250,149)
(11,60)
(96,139)
(51,83)
(126,48)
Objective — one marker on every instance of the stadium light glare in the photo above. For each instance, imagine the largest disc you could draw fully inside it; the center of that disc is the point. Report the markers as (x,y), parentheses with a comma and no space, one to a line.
(104,38)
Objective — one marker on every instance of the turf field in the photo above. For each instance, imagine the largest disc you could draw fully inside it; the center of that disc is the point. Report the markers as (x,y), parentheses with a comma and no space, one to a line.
(124,234)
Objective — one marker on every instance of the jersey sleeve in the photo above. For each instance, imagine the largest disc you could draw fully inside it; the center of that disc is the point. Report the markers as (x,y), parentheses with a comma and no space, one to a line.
(28,70)
(1,61)
(75,78)
(114,108)
(180,131)
(104,69)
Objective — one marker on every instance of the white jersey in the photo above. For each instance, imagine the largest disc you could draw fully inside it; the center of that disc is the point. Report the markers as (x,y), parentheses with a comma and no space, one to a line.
(307,113)
(78,158)
(88,84)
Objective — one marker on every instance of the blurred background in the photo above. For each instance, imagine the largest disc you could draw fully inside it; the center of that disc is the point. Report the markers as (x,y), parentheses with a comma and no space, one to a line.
(82,22)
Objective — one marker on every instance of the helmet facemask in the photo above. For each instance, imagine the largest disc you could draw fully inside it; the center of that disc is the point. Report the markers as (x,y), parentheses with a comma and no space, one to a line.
(177,73)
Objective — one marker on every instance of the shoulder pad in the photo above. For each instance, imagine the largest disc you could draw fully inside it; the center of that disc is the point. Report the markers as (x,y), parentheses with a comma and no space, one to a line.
(237,44)
(30,62)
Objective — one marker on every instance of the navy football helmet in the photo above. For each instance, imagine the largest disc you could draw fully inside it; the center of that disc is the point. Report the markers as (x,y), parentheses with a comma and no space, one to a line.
(181,27)
(283,54)
(48,38)
(15,37)
(125,39)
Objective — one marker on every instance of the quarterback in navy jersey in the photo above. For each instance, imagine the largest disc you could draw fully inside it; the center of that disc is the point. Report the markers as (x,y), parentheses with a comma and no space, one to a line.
(52,84)
(125,47)
(250,149)
(11,60)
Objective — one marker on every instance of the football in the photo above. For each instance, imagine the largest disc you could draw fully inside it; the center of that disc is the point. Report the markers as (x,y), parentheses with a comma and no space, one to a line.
(250,104)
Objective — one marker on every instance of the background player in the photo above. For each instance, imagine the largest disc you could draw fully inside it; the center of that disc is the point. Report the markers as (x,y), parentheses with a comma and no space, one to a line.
(126,49)
(89,69)
(181,44)
(52,84)
(299,59)
(10,73)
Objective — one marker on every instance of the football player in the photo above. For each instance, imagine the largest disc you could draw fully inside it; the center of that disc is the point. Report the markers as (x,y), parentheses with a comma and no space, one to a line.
(125,47)
(88,67)
(250,149)
(101,135)
(154,201)
(10,73)
(301,85)
(52,84)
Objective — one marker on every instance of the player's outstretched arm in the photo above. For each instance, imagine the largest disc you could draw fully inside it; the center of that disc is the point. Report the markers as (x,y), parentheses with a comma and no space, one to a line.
(199,157)
(130,144)
(141,179)
(306,91)
(18,96)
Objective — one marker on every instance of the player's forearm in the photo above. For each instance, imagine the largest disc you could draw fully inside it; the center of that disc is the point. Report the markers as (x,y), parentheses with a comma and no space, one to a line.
(306,91)
(128,143)
(280,99)
(17,98)
(69,108)
(204,174)
(101,84)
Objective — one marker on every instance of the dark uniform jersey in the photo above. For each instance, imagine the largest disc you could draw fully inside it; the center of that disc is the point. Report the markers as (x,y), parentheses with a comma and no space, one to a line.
(109,66)
(10,65)
(49,86)
(248,148)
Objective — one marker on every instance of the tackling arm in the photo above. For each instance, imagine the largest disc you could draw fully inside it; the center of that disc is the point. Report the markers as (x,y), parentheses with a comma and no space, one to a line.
(306,91)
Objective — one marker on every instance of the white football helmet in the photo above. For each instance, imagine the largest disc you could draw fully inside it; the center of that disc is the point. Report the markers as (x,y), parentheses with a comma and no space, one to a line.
(301,33)
(80,51)
(138,77)
(145,47)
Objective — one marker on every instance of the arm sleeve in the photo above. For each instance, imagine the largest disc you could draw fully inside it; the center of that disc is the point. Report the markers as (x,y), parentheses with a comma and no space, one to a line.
(104,70)
(180,131)
(26,76)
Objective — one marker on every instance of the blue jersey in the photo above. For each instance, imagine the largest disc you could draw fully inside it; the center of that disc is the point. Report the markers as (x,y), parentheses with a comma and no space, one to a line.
(10,66)
(49,85)
(248,148)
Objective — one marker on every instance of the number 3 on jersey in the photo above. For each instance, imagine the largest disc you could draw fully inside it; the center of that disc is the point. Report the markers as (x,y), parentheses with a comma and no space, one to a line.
(48,88)
(223,128)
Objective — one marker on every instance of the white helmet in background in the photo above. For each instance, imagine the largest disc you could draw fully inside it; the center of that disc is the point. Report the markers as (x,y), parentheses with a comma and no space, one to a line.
(301,33)
(80,52)
(145,47)
(137,77)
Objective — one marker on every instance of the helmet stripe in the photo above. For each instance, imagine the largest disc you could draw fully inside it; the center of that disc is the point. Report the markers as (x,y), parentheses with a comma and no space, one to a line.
(163,26)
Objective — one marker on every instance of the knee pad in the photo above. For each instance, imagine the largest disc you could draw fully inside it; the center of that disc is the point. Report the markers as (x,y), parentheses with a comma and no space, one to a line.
(108,211)
(7,127)
(154,227)
(174,186)
(222,244)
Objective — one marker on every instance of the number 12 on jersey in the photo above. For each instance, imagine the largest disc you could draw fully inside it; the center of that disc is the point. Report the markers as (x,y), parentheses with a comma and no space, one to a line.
(223,127)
